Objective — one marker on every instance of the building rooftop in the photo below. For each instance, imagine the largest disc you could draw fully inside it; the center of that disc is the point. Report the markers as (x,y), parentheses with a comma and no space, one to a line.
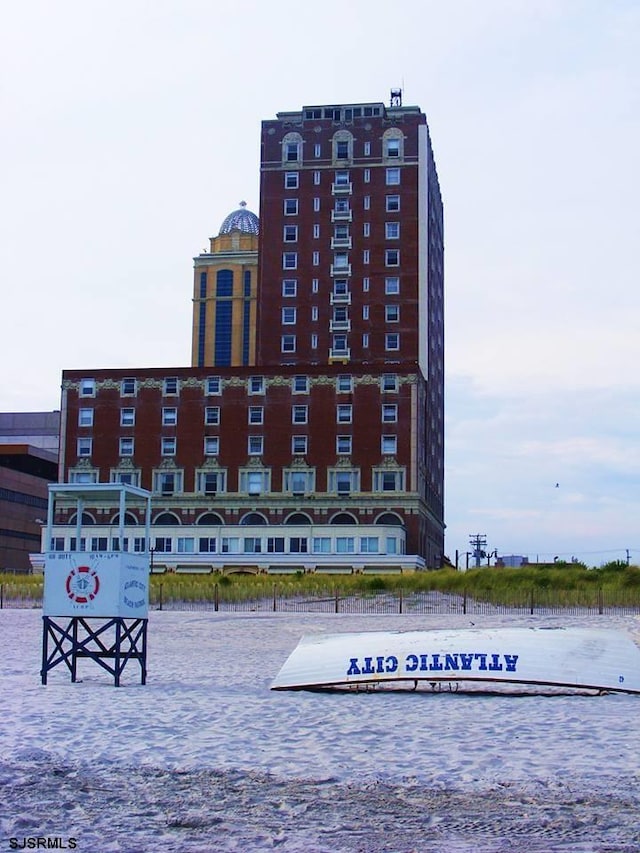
(241,220)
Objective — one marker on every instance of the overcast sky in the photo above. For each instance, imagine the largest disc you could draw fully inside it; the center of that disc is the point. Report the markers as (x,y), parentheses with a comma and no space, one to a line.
(131,129)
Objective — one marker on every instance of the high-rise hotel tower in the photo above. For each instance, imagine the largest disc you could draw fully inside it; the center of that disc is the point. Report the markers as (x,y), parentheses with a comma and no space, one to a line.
(308,433)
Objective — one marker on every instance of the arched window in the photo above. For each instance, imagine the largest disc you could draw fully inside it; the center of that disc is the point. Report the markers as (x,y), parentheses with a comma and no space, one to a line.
(209,518)
(87,519)
(166,518)
(291,149)
(342,146)
(343,518)
(129,518)
(253,518)
(393,144)
(298,518)
(389,518)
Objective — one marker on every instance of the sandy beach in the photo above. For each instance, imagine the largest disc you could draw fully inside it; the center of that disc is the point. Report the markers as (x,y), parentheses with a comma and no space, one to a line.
(205,757)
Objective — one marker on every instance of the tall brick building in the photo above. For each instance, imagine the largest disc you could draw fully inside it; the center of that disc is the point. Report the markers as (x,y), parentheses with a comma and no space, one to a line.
(321,447)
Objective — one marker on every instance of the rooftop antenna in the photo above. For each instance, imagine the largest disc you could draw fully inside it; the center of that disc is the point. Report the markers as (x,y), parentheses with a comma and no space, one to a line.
(396,98)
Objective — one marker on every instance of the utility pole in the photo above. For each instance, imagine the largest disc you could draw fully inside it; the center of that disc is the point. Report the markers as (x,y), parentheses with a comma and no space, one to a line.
(478,544)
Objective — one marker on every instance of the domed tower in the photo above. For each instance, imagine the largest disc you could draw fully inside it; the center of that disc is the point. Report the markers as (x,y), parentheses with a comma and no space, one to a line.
(224,294)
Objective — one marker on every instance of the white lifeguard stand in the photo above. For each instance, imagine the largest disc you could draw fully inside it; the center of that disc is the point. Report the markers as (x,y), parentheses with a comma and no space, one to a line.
(96,603)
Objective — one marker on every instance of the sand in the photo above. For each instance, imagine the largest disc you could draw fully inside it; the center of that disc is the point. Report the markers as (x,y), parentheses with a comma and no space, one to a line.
(205,757)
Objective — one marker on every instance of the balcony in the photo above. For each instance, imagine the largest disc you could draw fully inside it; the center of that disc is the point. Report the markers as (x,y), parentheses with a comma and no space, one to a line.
(342,189)
(341,298)
(340,325)
(341,242)
(341,270)
(341,215)
(342,355)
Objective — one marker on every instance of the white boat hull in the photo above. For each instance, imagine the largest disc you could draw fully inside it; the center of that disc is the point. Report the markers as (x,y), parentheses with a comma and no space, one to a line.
(560,657)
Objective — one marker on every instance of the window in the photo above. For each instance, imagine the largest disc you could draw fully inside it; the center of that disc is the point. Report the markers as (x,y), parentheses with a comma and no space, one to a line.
(345,544)
(365,256)
(389,382)
(85,417)
(343,444)
(299,414)
(169,417)
(316,204)
(87,388)
(316,178)
(369,545)
(300,385)
(392,285)
(254,482)
(316,149)
(84,446)
(207,545)
(392,177)
(168,446)
(393,147)
(289,260)
(387,481)
(392,341)
(366,229)
(365,340)
(393,203)
(288,316)
(256,414)
(344,413)
(389,444)
(367,149)
(211,445)
(365,312)
(83,476)
(275,545)
(366,202)
(341,260)
(291,180)
(342,149)
(299,444)
(392,230)
(392,257)
(314,342)
(321,545)
(289,287)
(255,445)
(316,231)
(170,385)
(212,415)
(291,151)
(127,387)
(213,385)
(163,544)
(315,259)
(210,482)
(168,482)
(230,545)
(343,482)
(342,179)
(127,417)
(298,544)
(256,384)
(252,545)
(290,234)
(344,383)
(288,343)
(367,176)
(290,206)
(341,205)
(392,313)
(186,544)
(298,482)
(365,284)
(389,413)
(341,287)
(339,344)
(314,285)
(129,478)
(126,447)
(57,543)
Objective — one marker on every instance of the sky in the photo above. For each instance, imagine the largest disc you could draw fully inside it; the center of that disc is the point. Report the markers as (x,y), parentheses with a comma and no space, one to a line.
(131,129)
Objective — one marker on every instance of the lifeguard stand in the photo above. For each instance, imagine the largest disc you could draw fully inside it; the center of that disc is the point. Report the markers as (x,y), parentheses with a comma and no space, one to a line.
(96,603)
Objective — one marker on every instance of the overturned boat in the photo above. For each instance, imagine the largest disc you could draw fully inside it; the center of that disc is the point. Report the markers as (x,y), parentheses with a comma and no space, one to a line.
(580,658)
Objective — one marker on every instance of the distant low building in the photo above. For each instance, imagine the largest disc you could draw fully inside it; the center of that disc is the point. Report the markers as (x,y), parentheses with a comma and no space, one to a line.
(511,561)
